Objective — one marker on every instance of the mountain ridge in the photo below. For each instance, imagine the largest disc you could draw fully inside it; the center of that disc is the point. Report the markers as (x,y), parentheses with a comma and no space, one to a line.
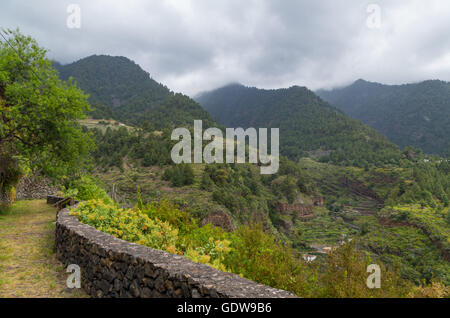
(120,89)
(414,114)
(306,122)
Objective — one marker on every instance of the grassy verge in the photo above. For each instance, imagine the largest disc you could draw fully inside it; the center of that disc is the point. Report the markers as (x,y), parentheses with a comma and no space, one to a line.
(28,265)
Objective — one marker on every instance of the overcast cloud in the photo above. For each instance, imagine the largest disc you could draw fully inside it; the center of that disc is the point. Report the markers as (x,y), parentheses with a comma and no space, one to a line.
(197,45)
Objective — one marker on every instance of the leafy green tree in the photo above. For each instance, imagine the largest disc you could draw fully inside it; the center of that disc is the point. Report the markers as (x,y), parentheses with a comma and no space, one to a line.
(87,188)
(206,183)
(39,113)
(188,174)
(179,175)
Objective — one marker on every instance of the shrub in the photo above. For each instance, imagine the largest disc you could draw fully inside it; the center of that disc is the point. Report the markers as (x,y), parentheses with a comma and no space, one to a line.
(86,188)
(160,226)
(261,257)
(346,274)
(130,224)
(434,290)
(179,175)
(206,183)
(5,208)
(365,228)
(12,194)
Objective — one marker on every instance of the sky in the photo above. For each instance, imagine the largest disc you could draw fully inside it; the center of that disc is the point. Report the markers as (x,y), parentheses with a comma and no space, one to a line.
(198,45)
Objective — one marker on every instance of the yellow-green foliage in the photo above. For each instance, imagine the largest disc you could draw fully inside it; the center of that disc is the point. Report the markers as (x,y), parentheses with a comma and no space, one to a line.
(157,225)
(248,251)
(128,224)
(12,194)
(205,244)
(433,220)
(261,257)
(346,274)
(434,290)
(216,248)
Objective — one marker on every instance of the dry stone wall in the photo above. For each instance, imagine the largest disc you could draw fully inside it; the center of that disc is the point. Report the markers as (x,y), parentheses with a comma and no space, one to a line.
(34,188)
(111,267)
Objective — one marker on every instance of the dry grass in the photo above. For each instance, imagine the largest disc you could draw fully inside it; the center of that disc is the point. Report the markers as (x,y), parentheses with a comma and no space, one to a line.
(28,265)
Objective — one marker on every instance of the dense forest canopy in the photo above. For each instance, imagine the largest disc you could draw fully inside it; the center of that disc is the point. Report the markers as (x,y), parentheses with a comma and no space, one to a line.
(113,81)
(119,88)
(307,124)
(409,115)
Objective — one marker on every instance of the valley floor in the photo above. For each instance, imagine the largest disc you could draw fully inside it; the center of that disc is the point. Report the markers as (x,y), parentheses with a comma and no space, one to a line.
(28,264)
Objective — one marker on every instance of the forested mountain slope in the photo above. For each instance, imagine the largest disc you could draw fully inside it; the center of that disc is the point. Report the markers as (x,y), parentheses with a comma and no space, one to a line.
(409,115)
(121,89)
(307,123)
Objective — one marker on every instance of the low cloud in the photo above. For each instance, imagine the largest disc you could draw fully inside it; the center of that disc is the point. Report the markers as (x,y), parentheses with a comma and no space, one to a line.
(196,45)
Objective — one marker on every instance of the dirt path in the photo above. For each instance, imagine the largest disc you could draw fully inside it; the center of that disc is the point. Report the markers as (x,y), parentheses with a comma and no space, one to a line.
(28,265)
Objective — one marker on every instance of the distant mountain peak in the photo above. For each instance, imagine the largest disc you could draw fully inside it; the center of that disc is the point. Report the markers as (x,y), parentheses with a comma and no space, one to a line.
(125,91)
(306,122)
(106,56)
(363,82)
(297,87)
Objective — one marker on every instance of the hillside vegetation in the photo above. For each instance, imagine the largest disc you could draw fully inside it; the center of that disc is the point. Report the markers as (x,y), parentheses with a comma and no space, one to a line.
(312,204)
(309,205)
(307,124)
(344,197)
(409,115)
(120,89)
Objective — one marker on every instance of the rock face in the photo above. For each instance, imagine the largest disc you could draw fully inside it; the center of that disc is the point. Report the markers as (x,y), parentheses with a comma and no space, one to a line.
(220,219)
(111,267)
(299,210)
(318,201)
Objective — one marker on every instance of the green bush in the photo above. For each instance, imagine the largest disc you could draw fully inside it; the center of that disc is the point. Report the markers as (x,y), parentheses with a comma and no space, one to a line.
(86,188)
(179,175)
(161,226)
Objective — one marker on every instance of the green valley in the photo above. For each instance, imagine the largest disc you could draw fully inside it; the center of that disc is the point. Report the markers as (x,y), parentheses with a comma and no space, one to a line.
(344,196)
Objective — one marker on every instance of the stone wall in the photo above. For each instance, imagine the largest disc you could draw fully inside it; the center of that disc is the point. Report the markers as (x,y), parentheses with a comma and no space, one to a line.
(34,188)
(111,267)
